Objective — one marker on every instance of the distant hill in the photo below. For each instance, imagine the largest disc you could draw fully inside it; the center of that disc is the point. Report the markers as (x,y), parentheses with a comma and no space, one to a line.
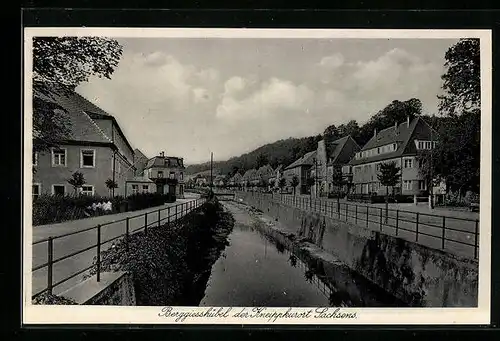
(286,151)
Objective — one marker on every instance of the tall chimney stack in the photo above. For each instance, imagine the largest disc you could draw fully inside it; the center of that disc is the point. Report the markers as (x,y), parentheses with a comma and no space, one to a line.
(408,121)
(396,127)
(375,132)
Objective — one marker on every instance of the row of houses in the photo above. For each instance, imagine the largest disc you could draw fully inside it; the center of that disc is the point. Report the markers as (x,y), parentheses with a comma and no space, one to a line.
(99,149)
(359,165)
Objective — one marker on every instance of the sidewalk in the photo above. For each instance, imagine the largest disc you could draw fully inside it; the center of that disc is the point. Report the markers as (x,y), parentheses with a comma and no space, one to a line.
(421,207)
(52,230)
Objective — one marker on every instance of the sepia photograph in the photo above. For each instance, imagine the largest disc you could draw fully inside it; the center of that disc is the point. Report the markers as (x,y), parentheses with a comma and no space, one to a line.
(256,176)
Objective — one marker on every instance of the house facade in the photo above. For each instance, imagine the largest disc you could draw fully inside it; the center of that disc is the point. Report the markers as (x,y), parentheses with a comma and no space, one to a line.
(167,173)
(331,156)
(300,168)
(400,144)
(97,148)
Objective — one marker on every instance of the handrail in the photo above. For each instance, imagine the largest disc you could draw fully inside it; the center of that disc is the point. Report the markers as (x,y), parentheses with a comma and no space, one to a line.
(185,208)
(363,215)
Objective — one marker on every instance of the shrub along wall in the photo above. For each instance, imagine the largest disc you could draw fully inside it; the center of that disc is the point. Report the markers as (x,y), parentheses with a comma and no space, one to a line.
(50,209)
(171,265)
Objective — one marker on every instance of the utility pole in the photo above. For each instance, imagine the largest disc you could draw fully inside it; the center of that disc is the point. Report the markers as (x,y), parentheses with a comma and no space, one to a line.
(211,171)
(431,190)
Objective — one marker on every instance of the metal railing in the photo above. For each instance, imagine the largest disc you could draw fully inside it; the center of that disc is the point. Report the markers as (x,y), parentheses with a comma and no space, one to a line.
(444,232)
(173,214)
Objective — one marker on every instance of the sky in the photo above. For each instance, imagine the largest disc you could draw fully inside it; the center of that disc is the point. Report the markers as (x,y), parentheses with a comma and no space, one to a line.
(192,96)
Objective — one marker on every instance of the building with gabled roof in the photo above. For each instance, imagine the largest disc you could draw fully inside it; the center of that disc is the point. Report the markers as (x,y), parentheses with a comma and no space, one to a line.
(331,156)
(400,144)
(301,169)
(97,147)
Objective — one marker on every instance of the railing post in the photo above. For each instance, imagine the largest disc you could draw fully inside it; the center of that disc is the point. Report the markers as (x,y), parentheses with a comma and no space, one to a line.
(356,215)
(476,235)
(146,223)
(397,221)
(159,217)
(168,216)
(50,258)
(367,214)
(346,211)
(443,234)
(176,212)
(127,226)
(380,218)
(98,260)
(416,229)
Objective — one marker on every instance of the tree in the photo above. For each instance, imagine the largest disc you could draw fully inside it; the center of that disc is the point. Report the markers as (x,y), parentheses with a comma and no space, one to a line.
(77,180)
(331,133)
(281,184)
(388,176)
(349,129)
(60,64)
(337,182)
(261,160)
(294,183)
(456,156)
(461,81)
(111,185)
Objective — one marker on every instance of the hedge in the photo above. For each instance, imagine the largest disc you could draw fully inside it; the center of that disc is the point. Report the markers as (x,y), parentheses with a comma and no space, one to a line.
(50,209)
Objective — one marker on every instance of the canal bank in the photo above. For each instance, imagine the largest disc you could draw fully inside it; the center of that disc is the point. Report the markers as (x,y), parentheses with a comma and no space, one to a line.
(418,275)
(262,267)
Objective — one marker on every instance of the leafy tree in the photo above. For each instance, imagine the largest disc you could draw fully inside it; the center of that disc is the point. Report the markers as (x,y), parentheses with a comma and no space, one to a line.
(77,180)
(388,176)
(111,185)
(337,182)
(294,183)
(60,64)
(349,129)
(331,133)
(456,157)
(281,184)
(262,160)
(461,81)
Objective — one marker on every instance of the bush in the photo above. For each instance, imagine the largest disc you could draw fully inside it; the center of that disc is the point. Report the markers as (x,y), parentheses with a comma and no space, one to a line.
(50,209)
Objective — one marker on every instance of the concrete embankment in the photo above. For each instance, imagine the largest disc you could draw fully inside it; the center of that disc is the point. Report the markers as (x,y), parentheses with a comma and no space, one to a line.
(415,274)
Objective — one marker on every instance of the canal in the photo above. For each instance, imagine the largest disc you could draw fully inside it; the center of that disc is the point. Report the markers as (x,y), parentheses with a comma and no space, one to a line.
(259,270)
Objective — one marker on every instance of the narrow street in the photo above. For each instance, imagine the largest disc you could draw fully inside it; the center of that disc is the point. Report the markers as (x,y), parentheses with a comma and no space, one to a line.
(254,270)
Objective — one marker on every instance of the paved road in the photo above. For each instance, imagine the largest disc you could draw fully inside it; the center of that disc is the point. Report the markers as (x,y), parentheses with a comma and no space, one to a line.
(401,221)
(67,245)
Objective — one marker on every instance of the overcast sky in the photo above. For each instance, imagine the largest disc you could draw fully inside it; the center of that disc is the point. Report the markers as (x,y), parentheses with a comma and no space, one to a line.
(193,96)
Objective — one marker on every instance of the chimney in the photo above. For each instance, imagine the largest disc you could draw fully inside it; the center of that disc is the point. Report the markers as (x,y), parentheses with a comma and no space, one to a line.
(375,132)
(396,127)
(408,121)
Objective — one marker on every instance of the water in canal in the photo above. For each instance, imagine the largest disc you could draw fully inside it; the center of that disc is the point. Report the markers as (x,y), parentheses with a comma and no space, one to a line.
(257,270)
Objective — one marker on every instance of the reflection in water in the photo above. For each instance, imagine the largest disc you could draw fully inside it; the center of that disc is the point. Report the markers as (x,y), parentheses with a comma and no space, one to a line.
(262,270)
(315,273)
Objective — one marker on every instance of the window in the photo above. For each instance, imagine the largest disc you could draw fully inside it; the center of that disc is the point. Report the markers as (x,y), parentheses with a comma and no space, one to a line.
(378,150)
(35,159)
(160,174)
(172,175)
(408,163)
(421,163)
(145,188)
(36,191)
(59,157)
(182,176)
(427,145)
(422,185)
(135,189)
(87,190)
(378,166)
(58,189)
(394,146)
(87,158)
(407,184)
